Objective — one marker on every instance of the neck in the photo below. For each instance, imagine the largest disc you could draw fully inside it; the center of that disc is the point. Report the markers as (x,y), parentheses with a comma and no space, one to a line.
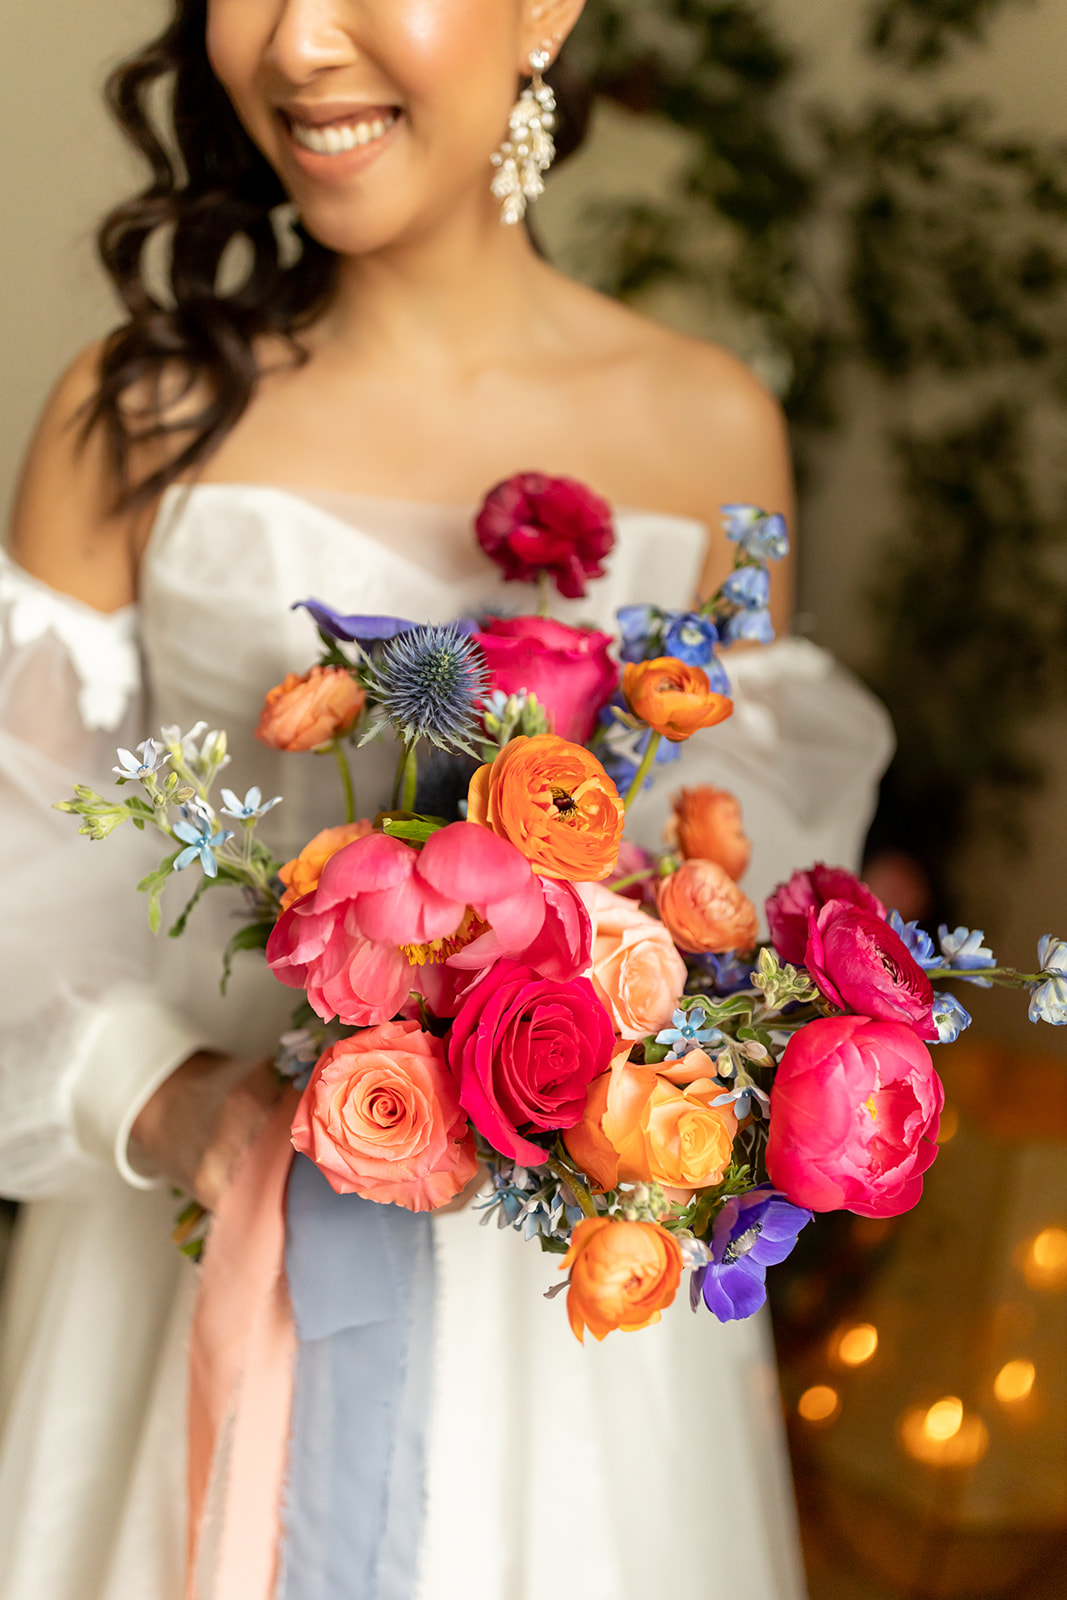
(463,295)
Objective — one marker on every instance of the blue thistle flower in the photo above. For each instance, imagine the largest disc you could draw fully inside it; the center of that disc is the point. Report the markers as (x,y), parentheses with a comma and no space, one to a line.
(428,684)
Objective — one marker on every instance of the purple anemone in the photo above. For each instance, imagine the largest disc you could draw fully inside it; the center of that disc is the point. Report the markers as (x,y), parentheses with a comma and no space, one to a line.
(752,1232)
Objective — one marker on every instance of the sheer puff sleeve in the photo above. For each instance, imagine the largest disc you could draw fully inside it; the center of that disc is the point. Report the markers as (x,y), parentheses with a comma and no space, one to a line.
(85,1038)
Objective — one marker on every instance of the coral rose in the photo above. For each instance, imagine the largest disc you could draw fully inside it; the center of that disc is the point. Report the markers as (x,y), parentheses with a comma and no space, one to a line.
(639,1127)
(381,1118)
(533,524)
(622,1275)
(707,825)
(568,669)
(302,874)
(637,972)
(704,910)
(525,1050)
(788,906)
(305,713)
(673,698)
(555,803)
(861,965)
(855,1111)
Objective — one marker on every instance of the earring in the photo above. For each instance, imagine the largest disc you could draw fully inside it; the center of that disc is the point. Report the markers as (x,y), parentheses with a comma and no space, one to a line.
(528,151)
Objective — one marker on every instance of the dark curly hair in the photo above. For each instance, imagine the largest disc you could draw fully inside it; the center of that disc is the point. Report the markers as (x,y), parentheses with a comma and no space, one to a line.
(209,187)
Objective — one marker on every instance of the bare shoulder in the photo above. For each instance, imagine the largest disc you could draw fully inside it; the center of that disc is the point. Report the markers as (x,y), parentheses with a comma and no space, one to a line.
(65,529)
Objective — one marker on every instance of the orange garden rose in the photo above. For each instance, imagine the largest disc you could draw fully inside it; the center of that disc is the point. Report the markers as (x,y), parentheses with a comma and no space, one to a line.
(302,874)
(555,803)
(304,713)
(639,1126)
(672,697)
(622,1275)
(705,911)
(707,824)
(637,971)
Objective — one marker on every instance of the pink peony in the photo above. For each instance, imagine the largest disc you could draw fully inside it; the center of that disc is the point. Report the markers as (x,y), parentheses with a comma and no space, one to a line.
(561,950)
(788,906)
(855,1110)
(861,965)
(568,669)
(637,971)
(381,1118)
(533,524)
(525,1050)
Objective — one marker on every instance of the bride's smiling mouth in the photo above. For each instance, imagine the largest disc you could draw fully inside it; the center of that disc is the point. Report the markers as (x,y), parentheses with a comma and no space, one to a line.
(335,141)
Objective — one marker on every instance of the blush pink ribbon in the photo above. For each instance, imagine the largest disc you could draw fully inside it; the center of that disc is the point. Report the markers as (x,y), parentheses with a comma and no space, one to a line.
(241,1360)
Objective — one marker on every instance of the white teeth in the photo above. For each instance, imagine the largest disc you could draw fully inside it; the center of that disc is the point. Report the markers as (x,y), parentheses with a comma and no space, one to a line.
(339,136)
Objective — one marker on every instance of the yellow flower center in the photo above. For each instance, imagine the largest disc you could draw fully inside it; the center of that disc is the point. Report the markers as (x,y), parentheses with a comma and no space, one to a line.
(438,950)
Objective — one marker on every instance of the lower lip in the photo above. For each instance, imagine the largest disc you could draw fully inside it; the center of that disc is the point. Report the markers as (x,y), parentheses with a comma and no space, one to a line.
(338,168)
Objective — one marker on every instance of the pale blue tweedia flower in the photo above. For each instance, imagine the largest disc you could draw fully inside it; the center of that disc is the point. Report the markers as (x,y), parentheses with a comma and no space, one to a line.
(150,759)
(428,685)
(916,940)
(964,950)
(251,806)
(688,1033)
(1048,1000)
(200,842)
(747,1098)
(950,1018)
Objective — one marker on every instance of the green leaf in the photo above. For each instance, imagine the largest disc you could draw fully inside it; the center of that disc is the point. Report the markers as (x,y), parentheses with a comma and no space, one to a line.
(413,830)
(553,1246)
(197,895)
(153,885)
(253,936)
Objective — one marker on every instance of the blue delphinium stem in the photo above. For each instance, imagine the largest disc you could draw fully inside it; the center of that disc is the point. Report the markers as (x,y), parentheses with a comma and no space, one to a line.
(647,763)
(346,780)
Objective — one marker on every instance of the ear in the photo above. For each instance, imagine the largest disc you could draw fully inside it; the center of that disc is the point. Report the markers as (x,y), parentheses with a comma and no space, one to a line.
(546,23)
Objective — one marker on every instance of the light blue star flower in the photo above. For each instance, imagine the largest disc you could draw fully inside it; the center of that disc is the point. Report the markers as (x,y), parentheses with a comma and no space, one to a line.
(917,941)
(688,1033)
(150,759)
(747,1100)
(691,638)
(200,842)
(964,950)
(1048,1000)
(1052,955)
(251,806)
(950,1018)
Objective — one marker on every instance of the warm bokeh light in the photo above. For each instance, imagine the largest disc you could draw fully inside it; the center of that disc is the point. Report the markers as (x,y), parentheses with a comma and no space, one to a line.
(944,1435)
(856,1345)
(819,1403)
(1014,1381)
(1044,1259)
(950,1125)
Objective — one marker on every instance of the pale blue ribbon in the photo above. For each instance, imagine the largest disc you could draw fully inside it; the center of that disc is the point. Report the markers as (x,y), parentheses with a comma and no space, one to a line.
(362,1283)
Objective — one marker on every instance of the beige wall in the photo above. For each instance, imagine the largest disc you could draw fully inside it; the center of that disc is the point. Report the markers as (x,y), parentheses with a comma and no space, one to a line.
(61,166)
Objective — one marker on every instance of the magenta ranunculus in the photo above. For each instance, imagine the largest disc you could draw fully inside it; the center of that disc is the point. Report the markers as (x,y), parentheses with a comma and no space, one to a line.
(525,1050)
(533,524)
(861,965)
(568,669)
(855,1111)
(788,906)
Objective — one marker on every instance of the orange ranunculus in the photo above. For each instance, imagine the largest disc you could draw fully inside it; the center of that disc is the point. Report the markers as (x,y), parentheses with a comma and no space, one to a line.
(555,803)
(622,1275)
(637,971)
(304,713)
(672,697)
(639,1126)
(707,824)
(705,911)
(302,874)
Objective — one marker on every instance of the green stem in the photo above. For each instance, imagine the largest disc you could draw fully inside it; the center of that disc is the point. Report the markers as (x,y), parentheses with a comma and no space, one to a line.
(575,1185)
(1005,976)
(409,783)
(647,763)
(635,877)
(346,780)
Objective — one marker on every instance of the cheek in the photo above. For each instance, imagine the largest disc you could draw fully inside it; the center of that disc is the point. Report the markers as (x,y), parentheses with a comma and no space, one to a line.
(238,33)
(454,59)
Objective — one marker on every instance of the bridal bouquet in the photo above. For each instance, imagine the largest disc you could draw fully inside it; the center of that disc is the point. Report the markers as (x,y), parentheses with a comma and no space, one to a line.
(500,988)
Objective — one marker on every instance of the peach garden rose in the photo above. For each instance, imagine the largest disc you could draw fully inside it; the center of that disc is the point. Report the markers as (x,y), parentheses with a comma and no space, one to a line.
(637,971)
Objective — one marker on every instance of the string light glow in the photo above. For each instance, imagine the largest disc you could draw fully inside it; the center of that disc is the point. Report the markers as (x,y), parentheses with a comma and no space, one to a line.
(857,1345)
(1044,1259)
(820,1403)
(1014,1382)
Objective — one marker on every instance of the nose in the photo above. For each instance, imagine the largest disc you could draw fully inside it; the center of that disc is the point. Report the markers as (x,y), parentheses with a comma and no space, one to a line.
(312,36)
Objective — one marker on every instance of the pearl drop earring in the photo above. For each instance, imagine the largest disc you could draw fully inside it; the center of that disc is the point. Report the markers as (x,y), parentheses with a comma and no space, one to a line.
(529,150)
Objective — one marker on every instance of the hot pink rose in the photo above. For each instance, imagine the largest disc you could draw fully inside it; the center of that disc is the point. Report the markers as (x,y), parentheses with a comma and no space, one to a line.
(855,1110)
(525,1050)
(533,524)
(568,669)
(861,965)
(788,906)
(381,1118)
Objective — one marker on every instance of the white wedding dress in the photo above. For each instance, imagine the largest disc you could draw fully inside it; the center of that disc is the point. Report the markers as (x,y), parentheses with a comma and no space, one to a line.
(651,1465)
